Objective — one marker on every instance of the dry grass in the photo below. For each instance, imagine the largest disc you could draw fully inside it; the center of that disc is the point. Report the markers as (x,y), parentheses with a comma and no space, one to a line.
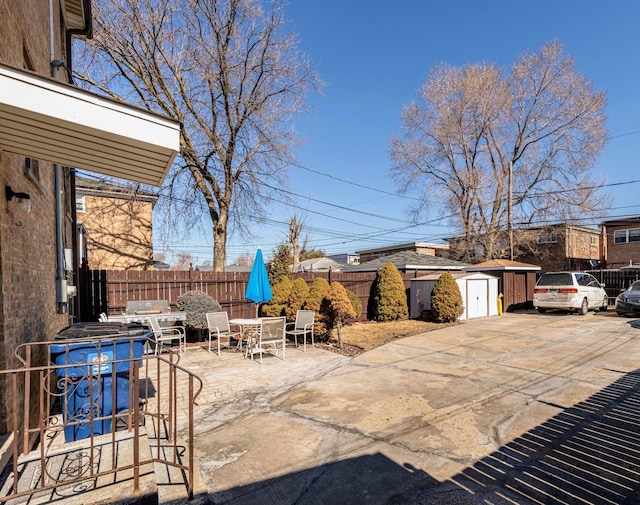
(360,337)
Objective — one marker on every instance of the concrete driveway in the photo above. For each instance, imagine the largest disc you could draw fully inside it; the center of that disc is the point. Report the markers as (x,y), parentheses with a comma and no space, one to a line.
(522,408)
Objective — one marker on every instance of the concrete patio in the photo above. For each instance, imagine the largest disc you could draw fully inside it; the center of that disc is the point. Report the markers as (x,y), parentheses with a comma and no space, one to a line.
(518,409)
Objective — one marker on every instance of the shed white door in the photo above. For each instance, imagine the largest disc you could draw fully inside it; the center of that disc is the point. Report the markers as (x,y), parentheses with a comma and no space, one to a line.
(477,298)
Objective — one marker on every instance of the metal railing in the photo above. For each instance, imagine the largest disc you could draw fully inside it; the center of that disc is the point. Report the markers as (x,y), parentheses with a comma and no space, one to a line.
(100,406)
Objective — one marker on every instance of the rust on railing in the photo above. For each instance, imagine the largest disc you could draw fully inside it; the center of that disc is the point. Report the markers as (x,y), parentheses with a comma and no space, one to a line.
(95,407)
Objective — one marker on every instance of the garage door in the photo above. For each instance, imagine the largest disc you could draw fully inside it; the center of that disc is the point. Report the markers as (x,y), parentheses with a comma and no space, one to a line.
(477,298)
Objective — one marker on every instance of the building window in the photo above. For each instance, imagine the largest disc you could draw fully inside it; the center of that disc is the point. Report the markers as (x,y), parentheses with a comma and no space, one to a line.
(626,236)
(593,240)
(547,238)
(32,169)
(80,203)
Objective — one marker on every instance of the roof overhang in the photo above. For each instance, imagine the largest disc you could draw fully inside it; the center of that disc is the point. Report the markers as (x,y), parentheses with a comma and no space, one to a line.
(77,14)
(48,120)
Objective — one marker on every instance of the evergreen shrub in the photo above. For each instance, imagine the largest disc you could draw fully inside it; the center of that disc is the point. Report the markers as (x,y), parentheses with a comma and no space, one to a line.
(355,302)
(388,298)
(338,308)
(446,300)
(196,304)
(317,292)
(297,297)
(277,305)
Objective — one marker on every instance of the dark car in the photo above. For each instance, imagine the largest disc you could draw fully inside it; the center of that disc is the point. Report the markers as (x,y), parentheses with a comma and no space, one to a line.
(628,302)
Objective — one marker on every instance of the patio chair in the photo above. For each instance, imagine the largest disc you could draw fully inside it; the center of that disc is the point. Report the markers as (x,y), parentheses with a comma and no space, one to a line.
(302,327)
(270,337)
(163,334)
(219,328)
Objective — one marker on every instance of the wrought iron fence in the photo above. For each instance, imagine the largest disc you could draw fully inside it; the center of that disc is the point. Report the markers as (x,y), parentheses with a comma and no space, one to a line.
(102,410)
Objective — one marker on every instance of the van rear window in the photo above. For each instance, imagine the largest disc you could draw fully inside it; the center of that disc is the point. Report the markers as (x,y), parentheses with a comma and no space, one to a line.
(556,279)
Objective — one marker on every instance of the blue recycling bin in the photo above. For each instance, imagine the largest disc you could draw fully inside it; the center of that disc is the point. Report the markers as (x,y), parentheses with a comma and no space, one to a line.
(97,384)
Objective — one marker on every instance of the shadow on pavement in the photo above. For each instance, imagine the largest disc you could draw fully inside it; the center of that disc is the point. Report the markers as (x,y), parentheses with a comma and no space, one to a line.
(587,454)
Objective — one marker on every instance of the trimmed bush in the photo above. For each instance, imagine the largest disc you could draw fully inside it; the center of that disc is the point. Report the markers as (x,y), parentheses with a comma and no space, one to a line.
(317,291)
(355,302)
(196,304)
(388,299)
(277,305)
(446,300)
(297,297)
(338,308)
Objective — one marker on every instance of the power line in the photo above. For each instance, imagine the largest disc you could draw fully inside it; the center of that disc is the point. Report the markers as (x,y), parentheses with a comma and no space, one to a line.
(352,183)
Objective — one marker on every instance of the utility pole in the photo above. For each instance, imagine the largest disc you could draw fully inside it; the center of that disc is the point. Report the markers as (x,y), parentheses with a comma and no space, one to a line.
(509,210)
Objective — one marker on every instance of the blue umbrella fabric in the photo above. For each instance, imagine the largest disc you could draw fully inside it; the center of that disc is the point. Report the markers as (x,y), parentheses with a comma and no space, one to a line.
(258,287)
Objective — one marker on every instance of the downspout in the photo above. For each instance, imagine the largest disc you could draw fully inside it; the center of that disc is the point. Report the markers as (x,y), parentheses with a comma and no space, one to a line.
(62,298)
(87,32)
(61,283)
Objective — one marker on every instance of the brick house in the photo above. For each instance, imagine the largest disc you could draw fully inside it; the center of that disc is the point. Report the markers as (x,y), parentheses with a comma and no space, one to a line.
(556,247)
(117,225)
(621,239)
(565,247)
(49,127)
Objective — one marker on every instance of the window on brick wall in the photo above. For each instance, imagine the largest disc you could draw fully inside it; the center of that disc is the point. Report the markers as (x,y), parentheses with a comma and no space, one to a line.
(32,169)
(547,238)
(626,236)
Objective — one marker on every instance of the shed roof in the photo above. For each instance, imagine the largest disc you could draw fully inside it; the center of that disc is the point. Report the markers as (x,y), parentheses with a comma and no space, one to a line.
(455,275)
(501,264)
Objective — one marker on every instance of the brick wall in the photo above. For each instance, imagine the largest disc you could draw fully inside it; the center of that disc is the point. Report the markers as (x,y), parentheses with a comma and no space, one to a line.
(119,233)
(624,253)
(28,310)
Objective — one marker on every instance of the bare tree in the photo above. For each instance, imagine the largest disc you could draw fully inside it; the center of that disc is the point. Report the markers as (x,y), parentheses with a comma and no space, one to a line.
(245,259)
(295,229)
(474,132)
(230,73)
(183,261)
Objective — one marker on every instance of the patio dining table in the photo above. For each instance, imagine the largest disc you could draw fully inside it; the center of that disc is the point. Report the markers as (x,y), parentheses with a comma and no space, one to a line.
(249,327)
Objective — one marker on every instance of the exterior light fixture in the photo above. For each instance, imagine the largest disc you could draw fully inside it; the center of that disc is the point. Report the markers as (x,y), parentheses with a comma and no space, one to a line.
(22,200)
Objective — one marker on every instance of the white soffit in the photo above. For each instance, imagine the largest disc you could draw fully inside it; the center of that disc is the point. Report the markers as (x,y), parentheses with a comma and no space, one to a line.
(48,120)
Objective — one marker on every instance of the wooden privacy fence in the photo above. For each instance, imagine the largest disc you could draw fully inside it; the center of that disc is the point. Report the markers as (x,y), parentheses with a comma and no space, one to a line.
(616,281)
(109,291)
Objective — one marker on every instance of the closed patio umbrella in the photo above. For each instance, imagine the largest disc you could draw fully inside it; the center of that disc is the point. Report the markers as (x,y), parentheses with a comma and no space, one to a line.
(258,288)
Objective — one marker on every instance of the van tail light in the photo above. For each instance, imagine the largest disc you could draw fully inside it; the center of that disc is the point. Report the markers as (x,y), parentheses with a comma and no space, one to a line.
(567,291)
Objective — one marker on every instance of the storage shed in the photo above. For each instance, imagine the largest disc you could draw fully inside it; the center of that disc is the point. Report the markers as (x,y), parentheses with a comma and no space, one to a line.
(515,281)
(479,294)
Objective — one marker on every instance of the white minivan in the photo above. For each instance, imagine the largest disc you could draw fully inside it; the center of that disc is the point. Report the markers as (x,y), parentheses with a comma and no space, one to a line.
(572,291)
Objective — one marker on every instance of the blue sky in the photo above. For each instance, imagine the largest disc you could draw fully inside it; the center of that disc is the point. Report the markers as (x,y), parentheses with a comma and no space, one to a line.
(374,56)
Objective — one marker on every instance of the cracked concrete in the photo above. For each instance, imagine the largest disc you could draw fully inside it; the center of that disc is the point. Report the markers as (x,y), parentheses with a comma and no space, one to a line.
(465,414)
